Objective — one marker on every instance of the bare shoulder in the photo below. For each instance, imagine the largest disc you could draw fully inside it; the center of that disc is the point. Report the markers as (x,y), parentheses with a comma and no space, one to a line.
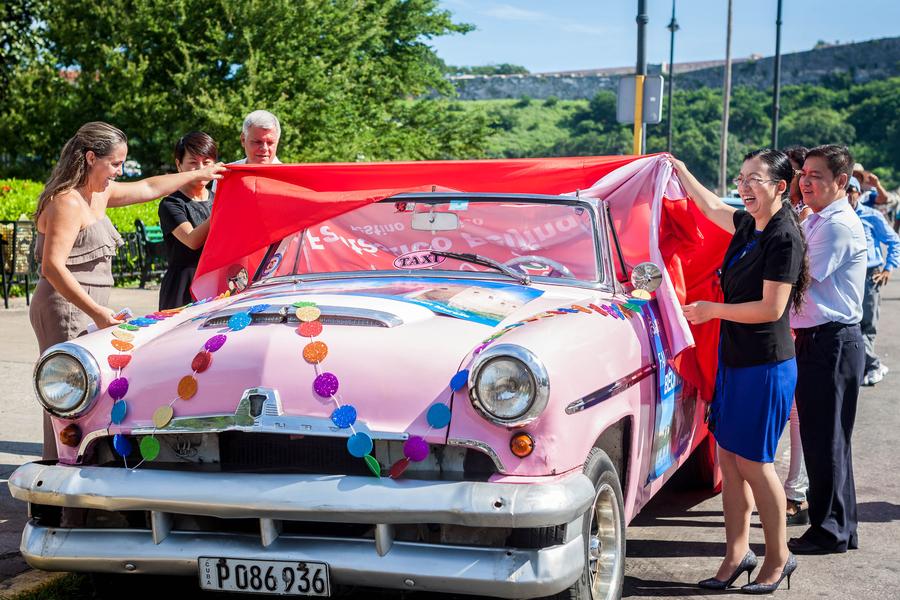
(65,210)
(66,201)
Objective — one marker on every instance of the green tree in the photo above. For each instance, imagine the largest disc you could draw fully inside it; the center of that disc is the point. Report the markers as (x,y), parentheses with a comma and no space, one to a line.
(814,126)
(35,119)
(341,76)
(750,120)
(865,116)
(21,37)
(875,115)
(796,97)
(501,69)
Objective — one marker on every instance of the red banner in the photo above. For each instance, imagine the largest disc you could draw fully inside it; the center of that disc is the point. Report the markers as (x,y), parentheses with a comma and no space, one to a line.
(257,205)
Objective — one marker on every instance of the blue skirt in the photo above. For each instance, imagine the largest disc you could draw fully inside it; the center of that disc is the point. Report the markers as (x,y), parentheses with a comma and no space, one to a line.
(751,407)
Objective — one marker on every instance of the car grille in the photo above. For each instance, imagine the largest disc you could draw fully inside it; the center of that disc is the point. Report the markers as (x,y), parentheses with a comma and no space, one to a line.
(259,452)
(251,452)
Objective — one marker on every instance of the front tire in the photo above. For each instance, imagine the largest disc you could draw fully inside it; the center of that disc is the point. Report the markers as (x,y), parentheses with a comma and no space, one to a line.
(604,535)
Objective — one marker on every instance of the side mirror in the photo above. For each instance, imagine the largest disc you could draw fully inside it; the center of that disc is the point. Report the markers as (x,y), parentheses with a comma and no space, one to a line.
(646,276)
(237,278)
(435,221)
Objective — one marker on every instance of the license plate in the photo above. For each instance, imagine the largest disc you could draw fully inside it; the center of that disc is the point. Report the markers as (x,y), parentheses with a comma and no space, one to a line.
(278,577)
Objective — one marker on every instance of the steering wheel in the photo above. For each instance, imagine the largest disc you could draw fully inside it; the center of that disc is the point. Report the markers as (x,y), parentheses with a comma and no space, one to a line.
(558,268)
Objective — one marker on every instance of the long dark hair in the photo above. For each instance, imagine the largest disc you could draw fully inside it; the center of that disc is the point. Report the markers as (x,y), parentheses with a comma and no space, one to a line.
(780,169)
(72,169)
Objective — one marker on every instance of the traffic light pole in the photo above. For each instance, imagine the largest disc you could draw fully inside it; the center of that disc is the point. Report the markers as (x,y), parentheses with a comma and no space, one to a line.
(640,136)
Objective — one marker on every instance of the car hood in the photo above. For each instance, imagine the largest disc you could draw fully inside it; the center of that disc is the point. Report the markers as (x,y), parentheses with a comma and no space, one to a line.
(393,347)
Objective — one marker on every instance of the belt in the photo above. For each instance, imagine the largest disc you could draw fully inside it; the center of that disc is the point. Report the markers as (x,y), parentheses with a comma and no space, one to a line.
(830,326)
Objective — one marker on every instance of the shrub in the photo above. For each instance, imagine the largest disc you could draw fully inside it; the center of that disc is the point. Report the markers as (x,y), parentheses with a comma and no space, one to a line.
(505,120)
(18,198)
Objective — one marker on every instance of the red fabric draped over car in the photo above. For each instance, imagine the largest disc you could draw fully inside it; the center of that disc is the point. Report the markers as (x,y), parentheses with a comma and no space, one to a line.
(257,205)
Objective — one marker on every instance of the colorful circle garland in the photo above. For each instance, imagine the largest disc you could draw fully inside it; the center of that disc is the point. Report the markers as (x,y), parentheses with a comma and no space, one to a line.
(325,385)
(123,337)
(118,412)
(615,309)
(439,414)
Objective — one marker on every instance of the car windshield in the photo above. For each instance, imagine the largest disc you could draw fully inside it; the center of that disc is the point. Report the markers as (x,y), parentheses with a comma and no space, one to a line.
(539,239)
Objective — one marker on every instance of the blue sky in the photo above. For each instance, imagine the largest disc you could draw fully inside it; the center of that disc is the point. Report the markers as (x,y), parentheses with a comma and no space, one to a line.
(561,35)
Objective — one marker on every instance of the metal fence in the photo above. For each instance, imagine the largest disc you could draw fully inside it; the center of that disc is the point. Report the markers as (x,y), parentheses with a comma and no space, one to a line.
(141,258)
(17,258)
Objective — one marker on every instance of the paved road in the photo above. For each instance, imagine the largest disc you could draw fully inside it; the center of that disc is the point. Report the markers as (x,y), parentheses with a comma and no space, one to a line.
(676,541)
(20,419)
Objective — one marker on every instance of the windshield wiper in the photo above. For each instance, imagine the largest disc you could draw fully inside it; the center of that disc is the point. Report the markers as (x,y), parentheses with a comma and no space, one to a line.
(486,262)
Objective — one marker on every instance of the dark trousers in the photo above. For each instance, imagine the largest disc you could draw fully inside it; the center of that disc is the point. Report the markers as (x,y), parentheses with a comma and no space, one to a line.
(830,364)
(869,323)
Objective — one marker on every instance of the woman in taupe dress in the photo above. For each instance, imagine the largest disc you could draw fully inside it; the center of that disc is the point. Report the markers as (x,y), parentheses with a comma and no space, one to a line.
(76,240)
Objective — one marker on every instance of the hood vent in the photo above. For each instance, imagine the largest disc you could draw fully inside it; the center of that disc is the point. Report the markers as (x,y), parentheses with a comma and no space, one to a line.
(331,315)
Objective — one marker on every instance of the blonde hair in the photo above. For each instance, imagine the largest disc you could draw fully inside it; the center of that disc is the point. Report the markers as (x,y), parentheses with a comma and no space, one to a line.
(72,169)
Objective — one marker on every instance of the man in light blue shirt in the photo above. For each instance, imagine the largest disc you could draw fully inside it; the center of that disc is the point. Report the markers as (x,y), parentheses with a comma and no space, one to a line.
(837,265)
(878,270)
(830,351)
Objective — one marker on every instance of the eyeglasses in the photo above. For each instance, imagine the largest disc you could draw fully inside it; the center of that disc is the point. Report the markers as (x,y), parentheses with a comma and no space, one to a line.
(752,181)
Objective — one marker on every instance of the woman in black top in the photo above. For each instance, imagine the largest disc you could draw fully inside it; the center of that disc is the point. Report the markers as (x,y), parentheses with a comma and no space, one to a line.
(796,483)
(184,220)
(763,273)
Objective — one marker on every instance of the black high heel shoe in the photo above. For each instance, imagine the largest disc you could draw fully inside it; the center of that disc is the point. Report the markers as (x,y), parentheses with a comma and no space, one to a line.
(767,588)
(748,563)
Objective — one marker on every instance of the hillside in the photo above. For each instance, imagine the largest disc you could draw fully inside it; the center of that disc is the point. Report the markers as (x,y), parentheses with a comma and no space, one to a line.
(866,117)
(852,63)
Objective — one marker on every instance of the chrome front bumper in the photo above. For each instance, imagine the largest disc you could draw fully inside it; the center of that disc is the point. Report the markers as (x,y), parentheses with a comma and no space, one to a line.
(382,562)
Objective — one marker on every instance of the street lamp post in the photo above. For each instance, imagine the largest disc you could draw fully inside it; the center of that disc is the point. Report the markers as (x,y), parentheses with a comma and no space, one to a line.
(776,87)
(723,150)
(672,27)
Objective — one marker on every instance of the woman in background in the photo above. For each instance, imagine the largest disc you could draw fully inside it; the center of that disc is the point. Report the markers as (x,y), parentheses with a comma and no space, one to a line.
(797,482)
(184,219)
(797,155)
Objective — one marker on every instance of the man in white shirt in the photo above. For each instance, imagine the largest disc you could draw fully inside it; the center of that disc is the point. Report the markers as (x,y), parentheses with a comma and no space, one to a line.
(259,137)
(830,350)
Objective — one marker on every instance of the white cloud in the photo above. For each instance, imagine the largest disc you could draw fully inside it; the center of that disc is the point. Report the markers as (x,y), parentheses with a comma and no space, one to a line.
(512,13)
(585,29)
(508,12)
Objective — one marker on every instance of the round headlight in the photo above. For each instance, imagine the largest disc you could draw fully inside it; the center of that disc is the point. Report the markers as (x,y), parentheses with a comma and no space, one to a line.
(66,380)
(505,388)
(509,385)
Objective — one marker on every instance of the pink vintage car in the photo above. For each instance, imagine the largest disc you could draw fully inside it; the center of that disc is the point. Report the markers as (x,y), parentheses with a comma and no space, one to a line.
(444,391)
